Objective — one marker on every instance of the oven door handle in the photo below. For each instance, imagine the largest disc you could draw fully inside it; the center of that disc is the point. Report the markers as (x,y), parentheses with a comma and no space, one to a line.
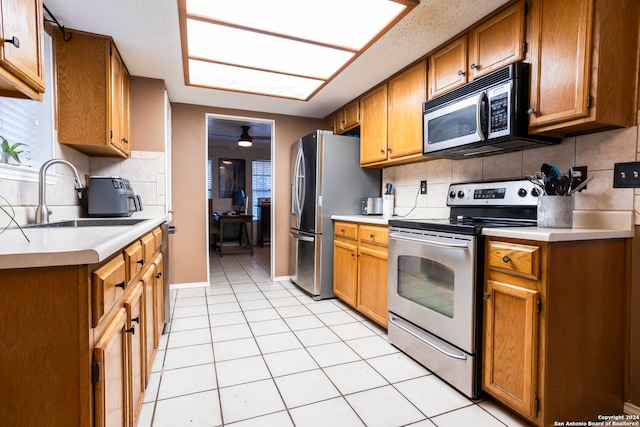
(400,236)
(461,356)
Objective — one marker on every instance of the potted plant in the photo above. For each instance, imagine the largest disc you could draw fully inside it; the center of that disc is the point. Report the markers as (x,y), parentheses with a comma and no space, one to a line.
(8,151)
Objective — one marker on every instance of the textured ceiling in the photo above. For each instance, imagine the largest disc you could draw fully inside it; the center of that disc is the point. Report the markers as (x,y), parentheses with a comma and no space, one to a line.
(147,34)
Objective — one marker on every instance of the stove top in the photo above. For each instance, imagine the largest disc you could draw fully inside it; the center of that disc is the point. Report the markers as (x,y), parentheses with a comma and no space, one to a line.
(476,205)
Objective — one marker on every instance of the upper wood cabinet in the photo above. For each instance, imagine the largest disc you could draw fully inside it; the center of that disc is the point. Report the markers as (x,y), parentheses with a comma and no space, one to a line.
(406,93)
(492,44)
(330,123)
(373,126)
(497,42)
(93,95)
(21,53)
(583,65)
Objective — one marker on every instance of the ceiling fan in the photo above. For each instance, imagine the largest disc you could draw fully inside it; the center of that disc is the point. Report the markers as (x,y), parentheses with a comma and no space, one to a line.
(220,130)
(245,139)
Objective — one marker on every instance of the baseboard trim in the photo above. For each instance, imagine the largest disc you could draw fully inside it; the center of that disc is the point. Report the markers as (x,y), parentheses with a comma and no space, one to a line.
(631,409)
(281,278)
(188,285)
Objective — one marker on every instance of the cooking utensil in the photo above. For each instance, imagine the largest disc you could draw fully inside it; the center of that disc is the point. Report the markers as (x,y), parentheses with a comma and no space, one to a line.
(580,186)
(563,185)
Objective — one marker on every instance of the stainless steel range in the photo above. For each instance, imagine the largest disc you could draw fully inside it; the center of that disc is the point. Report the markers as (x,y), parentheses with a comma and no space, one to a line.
(435,276)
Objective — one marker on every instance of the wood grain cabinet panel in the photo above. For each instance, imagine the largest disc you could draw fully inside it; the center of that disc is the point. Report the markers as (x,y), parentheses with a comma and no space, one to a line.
(346,230)
(583,65)
(448,67)
(136,361)
(108,284)
(373,126)
(515,258)
(21,53)
(93,95)
(360,269)
(134,259)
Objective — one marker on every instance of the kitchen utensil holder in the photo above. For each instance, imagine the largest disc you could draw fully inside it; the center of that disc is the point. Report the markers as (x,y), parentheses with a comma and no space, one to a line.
(555,211)
(388,201)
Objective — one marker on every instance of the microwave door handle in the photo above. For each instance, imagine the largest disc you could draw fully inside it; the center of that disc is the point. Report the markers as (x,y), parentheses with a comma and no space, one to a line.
(399,236)
(480,103)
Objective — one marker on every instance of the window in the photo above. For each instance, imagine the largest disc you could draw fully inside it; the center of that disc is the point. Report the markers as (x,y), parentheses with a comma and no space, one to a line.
(209,178)
(260,183)
(31,123)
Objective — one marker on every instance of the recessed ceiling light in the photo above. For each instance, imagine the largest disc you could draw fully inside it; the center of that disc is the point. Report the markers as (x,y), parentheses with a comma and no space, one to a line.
(283,48)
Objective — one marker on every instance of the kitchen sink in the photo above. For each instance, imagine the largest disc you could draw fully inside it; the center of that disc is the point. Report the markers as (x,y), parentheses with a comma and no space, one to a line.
(88,222)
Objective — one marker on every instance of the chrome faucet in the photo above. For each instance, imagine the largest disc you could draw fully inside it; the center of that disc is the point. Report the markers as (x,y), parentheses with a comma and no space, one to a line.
(42,212)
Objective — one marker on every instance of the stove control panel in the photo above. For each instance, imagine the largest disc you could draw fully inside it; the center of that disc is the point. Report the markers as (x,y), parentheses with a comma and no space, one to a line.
(517,192)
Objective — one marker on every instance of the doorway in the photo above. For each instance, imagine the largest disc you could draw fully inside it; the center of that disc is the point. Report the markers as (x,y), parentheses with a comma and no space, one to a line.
(223,149)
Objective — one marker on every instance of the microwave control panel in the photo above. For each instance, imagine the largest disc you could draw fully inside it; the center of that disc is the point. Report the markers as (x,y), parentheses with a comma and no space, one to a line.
(499,106)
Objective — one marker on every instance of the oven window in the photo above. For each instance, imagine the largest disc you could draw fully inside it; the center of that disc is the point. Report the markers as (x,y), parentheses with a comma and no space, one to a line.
(427,283)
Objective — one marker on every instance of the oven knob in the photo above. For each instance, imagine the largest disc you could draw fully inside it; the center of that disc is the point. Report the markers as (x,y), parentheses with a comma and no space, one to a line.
(535,192)
(522,192)
(452,194)
(461,194)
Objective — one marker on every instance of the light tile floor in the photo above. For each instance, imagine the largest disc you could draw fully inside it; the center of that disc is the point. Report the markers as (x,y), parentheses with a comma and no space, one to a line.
(247,351)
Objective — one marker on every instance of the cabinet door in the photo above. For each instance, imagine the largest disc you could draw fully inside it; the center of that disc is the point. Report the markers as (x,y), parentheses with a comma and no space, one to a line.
(330,124)
(107,285)
(510,354)
(135,341)
(147,316)
(407,92)
(134,259)
(373,126)
(350,116)
(21,53)
(110,375)
(345,271)
(447,67)
(119,103)
(372,284)
(158,297)
(561,34)
(497,42)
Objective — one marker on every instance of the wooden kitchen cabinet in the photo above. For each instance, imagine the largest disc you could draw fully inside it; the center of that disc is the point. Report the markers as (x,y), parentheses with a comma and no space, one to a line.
(553,326)
(488,46)
(406,93)
(360,268)
(584,56)
(88,369)
(93,95)
(348,117)
(21,52)
(373,126)
(330,123)
(147,284)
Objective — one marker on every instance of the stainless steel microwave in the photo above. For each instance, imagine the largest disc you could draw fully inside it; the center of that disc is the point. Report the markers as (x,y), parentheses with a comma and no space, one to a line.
(484,117)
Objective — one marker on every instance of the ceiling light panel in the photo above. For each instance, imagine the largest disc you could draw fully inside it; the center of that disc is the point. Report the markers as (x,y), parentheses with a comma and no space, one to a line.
(264,52)
(228,77)
(348,23)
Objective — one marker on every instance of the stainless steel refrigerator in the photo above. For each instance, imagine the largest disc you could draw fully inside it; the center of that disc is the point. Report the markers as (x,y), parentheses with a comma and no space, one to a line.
(326,180)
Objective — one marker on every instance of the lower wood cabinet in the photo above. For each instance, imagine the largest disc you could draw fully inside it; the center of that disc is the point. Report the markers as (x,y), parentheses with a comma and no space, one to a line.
(360,268)
(81,339)
(554,322)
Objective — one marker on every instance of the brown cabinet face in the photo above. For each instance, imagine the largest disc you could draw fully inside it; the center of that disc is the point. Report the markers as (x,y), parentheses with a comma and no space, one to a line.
(448,67)
(21,53)
(345,270)
(497,42)
(108,284)
(510,368)
(373,126)
(407,92)
(372,284)
(110,362)
(136,342)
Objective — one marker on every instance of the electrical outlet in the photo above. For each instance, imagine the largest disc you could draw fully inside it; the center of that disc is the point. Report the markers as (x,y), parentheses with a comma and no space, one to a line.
(626,175)
(578,174)
(423,187)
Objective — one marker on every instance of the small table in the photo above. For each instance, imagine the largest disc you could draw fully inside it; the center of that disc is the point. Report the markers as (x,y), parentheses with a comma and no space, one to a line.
(243,220)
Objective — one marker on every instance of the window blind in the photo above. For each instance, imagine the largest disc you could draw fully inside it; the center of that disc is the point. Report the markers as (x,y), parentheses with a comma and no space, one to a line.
(260,183)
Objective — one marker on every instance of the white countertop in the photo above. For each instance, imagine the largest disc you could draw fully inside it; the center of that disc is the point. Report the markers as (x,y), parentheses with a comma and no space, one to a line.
(587,226)
(69,245)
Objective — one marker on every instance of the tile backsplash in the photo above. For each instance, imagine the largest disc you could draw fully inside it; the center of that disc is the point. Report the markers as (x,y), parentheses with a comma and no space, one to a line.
(598,151)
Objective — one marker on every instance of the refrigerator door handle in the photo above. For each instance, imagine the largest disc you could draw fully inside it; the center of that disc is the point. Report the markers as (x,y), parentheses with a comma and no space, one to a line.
(303,237)
(301,181)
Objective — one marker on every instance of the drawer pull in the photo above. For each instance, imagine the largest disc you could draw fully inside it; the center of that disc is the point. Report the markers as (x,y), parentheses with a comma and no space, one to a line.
(14,41)
(122,284)
(136,319)
(131,330)
(342,230)
(159,275)
(140,261)
(486,295)
(460,73)
(506,259)
(371,236)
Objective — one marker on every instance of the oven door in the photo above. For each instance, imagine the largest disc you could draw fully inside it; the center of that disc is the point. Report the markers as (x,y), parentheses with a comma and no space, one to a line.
(432,279)
(455,124)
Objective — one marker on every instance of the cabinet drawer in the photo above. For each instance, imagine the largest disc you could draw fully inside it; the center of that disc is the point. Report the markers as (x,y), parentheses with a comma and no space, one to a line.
(516,258)
(346,230)
(149,244)
(108,283)
(133,259)
(374,235)
(157,234)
